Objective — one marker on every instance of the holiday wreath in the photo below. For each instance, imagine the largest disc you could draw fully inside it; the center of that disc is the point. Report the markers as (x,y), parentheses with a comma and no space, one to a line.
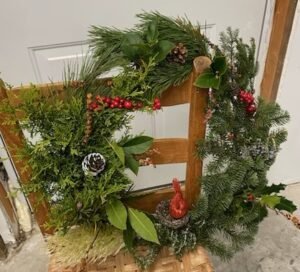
(78,164)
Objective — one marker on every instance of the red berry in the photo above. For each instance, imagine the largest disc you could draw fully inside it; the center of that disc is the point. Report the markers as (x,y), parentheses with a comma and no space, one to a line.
(249,96)
(115,103)
(241,93)
(117,98)
(156,100)
(250,197)
(127,104)
(112,106)
(154,107)
(93,105)
(158,106)
(120,106)
(251,108)
(121,101)
(108,100)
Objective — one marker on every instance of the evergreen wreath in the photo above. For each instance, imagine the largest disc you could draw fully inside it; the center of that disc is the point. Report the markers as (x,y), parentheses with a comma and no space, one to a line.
(78,164)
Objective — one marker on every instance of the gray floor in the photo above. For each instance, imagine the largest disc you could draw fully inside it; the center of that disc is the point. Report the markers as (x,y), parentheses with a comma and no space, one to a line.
(276,249)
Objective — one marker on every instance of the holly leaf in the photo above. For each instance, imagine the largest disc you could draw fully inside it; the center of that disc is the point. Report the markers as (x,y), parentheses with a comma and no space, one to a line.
(164,48)
(208,80)
(131,163)
(286,205)
(142,225)
(116,213)
(270,200)
(219,65)
(274,188)
(138,145)
(119,151)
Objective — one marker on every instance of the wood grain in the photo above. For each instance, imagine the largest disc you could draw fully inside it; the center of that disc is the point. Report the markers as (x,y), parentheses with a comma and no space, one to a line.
(172,150)
(148,201)
(8,209)
(14,95)
(282,25)
(176,95)
(197,126)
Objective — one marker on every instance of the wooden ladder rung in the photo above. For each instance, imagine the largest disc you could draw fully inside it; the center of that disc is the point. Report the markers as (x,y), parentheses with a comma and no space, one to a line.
(177,95)
(170,150)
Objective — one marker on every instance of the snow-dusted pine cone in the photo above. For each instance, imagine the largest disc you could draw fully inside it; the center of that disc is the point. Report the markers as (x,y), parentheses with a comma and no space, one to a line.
(93,164)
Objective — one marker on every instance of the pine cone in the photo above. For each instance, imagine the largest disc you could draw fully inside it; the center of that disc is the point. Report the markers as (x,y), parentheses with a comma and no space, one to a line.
(93,164)
(178,54)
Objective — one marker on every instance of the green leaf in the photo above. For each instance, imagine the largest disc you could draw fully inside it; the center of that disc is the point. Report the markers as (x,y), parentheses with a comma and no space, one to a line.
(270,200)
(274,188)
(128,237)
(143,226)
(116,213)
(286,205)
(131,163)
(132,45)
(208,80)
(152,32)
(119,151)
(138,145)
(219,65)
(164,48)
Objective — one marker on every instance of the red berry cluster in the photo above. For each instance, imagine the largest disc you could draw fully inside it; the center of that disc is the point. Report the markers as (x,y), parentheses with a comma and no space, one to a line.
(119,103)
(96,104)
(156,104)
(248,99)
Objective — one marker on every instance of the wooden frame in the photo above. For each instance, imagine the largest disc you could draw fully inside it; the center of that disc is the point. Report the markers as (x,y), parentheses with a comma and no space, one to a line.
(282,25)
(184,151)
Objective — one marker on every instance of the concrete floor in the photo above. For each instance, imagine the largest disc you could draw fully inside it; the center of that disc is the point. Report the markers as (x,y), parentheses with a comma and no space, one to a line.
(276,249)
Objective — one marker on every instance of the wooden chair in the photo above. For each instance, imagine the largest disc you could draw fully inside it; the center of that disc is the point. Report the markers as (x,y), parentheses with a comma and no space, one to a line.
(172,150)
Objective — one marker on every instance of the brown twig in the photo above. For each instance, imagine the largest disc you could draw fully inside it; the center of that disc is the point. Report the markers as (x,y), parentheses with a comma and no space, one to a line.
(291,217)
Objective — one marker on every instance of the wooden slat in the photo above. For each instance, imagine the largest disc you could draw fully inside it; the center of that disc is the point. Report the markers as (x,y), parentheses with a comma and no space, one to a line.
(14,95)
(148,202)
(176,95)
(198,102)
(14,140)
(281,29)
(9,211)
(172,150)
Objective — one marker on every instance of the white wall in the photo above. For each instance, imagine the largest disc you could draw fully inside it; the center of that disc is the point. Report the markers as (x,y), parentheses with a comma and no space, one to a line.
(287,166)
(25,24)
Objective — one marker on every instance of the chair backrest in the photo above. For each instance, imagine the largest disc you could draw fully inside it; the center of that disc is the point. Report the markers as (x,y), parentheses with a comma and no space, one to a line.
(171,150)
